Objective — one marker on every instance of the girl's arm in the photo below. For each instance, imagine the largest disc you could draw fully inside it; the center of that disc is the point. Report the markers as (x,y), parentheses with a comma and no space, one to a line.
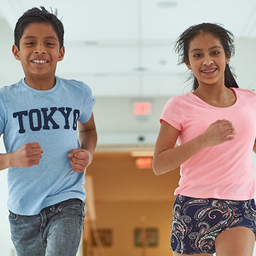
(254,147)
(167,157)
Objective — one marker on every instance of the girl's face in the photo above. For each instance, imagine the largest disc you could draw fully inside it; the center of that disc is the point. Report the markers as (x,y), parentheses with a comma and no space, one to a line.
(207,60)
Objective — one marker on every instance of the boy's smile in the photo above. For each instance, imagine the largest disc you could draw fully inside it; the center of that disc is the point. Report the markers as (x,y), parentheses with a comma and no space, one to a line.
(39,51)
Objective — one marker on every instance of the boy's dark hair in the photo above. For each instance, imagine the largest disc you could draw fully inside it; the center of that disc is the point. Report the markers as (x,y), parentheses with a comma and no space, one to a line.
(226,40)
(36,15)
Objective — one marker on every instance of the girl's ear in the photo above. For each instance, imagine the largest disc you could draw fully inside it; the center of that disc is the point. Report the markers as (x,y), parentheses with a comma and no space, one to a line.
(228,57)
(61,53)
(15,52)
(188,65)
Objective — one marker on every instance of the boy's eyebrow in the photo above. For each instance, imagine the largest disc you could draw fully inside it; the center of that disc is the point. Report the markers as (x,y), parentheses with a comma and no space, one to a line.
(211,48)
(47,37)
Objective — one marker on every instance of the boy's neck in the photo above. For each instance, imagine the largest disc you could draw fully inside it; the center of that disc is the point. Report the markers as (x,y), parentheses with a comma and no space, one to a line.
(41,84)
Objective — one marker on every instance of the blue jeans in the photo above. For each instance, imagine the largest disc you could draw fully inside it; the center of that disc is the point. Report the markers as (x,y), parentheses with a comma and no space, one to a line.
(55,231)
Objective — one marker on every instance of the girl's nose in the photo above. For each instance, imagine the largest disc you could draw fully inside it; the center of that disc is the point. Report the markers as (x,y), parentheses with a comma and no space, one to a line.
(208,61)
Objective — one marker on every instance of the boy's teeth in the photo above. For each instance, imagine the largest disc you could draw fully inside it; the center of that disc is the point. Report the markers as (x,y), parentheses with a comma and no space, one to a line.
(39,61)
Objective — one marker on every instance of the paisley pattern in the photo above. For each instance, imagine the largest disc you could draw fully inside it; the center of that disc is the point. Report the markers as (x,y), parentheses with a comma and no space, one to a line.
(198,221)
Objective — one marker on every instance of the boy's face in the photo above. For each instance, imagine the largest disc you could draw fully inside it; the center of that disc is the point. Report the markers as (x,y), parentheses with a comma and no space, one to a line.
(39,51)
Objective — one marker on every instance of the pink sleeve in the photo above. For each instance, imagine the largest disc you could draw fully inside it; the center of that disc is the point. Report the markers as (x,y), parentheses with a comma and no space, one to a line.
(172,113)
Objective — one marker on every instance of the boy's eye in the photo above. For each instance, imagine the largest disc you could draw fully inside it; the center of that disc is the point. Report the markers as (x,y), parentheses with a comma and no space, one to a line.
(29,43)
(50,44)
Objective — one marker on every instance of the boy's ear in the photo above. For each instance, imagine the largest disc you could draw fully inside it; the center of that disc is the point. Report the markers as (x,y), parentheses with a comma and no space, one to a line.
(15,52)
(61,53)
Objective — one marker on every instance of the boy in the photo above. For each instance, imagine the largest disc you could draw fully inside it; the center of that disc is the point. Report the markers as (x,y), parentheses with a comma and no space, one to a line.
(39,118)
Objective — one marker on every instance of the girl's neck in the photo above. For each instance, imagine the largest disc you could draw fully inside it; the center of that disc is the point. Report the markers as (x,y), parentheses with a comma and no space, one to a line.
(218,97)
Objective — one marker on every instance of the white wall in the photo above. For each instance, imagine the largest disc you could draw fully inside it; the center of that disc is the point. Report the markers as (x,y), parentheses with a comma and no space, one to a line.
(10,68)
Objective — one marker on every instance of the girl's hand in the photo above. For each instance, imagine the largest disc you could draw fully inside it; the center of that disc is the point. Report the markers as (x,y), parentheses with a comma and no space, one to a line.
(80,159)
(219,132)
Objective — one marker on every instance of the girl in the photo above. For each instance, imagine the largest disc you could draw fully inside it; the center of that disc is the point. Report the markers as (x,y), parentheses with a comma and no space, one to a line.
(214,125)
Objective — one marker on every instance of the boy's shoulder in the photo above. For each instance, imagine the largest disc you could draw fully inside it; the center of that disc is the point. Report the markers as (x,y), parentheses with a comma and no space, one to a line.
(9,88)
(73,86)
(72,82)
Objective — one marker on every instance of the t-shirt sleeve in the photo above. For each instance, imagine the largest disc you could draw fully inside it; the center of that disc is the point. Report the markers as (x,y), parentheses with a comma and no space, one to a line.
(172,113)
(89,102)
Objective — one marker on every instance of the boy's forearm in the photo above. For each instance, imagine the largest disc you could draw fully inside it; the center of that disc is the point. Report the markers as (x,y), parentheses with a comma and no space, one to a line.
(5,161)
(88,140)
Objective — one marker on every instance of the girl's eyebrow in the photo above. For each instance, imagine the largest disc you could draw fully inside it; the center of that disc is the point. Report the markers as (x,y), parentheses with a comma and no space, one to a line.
(211,48)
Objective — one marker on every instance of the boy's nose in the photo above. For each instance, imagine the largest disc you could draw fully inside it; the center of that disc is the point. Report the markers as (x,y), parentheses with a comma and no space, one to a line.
(39,49)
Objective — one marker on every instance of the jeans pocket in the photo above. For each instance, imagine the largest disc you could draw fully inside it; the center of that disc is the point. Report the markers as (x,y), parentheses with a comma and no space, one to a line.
(73,206)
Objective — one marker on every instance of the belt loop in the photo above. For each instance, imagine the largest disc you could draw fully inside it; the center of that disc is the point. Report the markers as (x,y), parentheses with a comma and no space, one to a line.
(42,217)
(52,208)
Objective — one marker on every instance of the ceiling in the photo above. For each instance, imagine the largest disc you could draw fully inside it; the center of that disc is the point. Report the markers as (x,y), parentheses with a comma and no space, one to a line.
(125,47)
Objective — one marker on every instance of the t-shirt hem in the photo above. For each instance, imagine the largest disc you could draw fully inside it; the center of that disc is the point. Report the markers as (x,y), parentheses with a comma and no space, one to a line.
(215,196)
(170,122)
(48,203)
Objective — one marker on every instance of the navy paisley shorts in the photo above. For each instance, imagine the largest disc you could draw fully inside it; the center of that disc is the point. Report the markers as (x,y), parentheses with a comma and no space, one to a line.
(198,221)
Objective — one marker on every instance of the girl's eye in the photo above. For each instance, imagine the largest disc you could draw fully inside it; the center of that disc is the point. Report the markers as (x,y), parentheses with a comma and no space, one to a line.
(215,53)
(197,55)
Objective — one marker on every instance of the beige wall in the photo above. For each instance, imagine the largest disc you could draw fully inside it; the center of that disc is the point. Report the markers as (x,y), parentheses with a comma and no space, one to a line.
(123,217)
(125,194)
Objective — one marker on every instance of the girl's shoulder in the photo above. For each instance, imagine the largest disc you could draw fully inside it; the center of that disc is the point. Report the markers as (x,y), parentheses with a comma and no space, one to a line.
(244,93)
(183,97)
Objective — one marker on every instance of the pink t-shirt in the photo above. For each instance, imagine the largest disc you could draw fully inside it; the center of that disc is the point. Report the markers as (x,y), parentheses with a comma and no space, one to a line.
(224,171)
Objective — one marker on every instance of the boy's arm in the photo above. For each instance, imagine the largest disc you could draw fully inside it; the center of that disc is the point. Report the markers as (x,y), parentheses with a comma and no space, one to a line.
(82,157)
(5,161)
(26,156)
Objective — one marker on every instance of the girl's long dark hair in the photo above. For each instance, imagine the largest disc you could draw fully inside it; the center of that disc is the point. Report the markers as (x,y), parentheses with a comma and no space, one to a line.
(226,40)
